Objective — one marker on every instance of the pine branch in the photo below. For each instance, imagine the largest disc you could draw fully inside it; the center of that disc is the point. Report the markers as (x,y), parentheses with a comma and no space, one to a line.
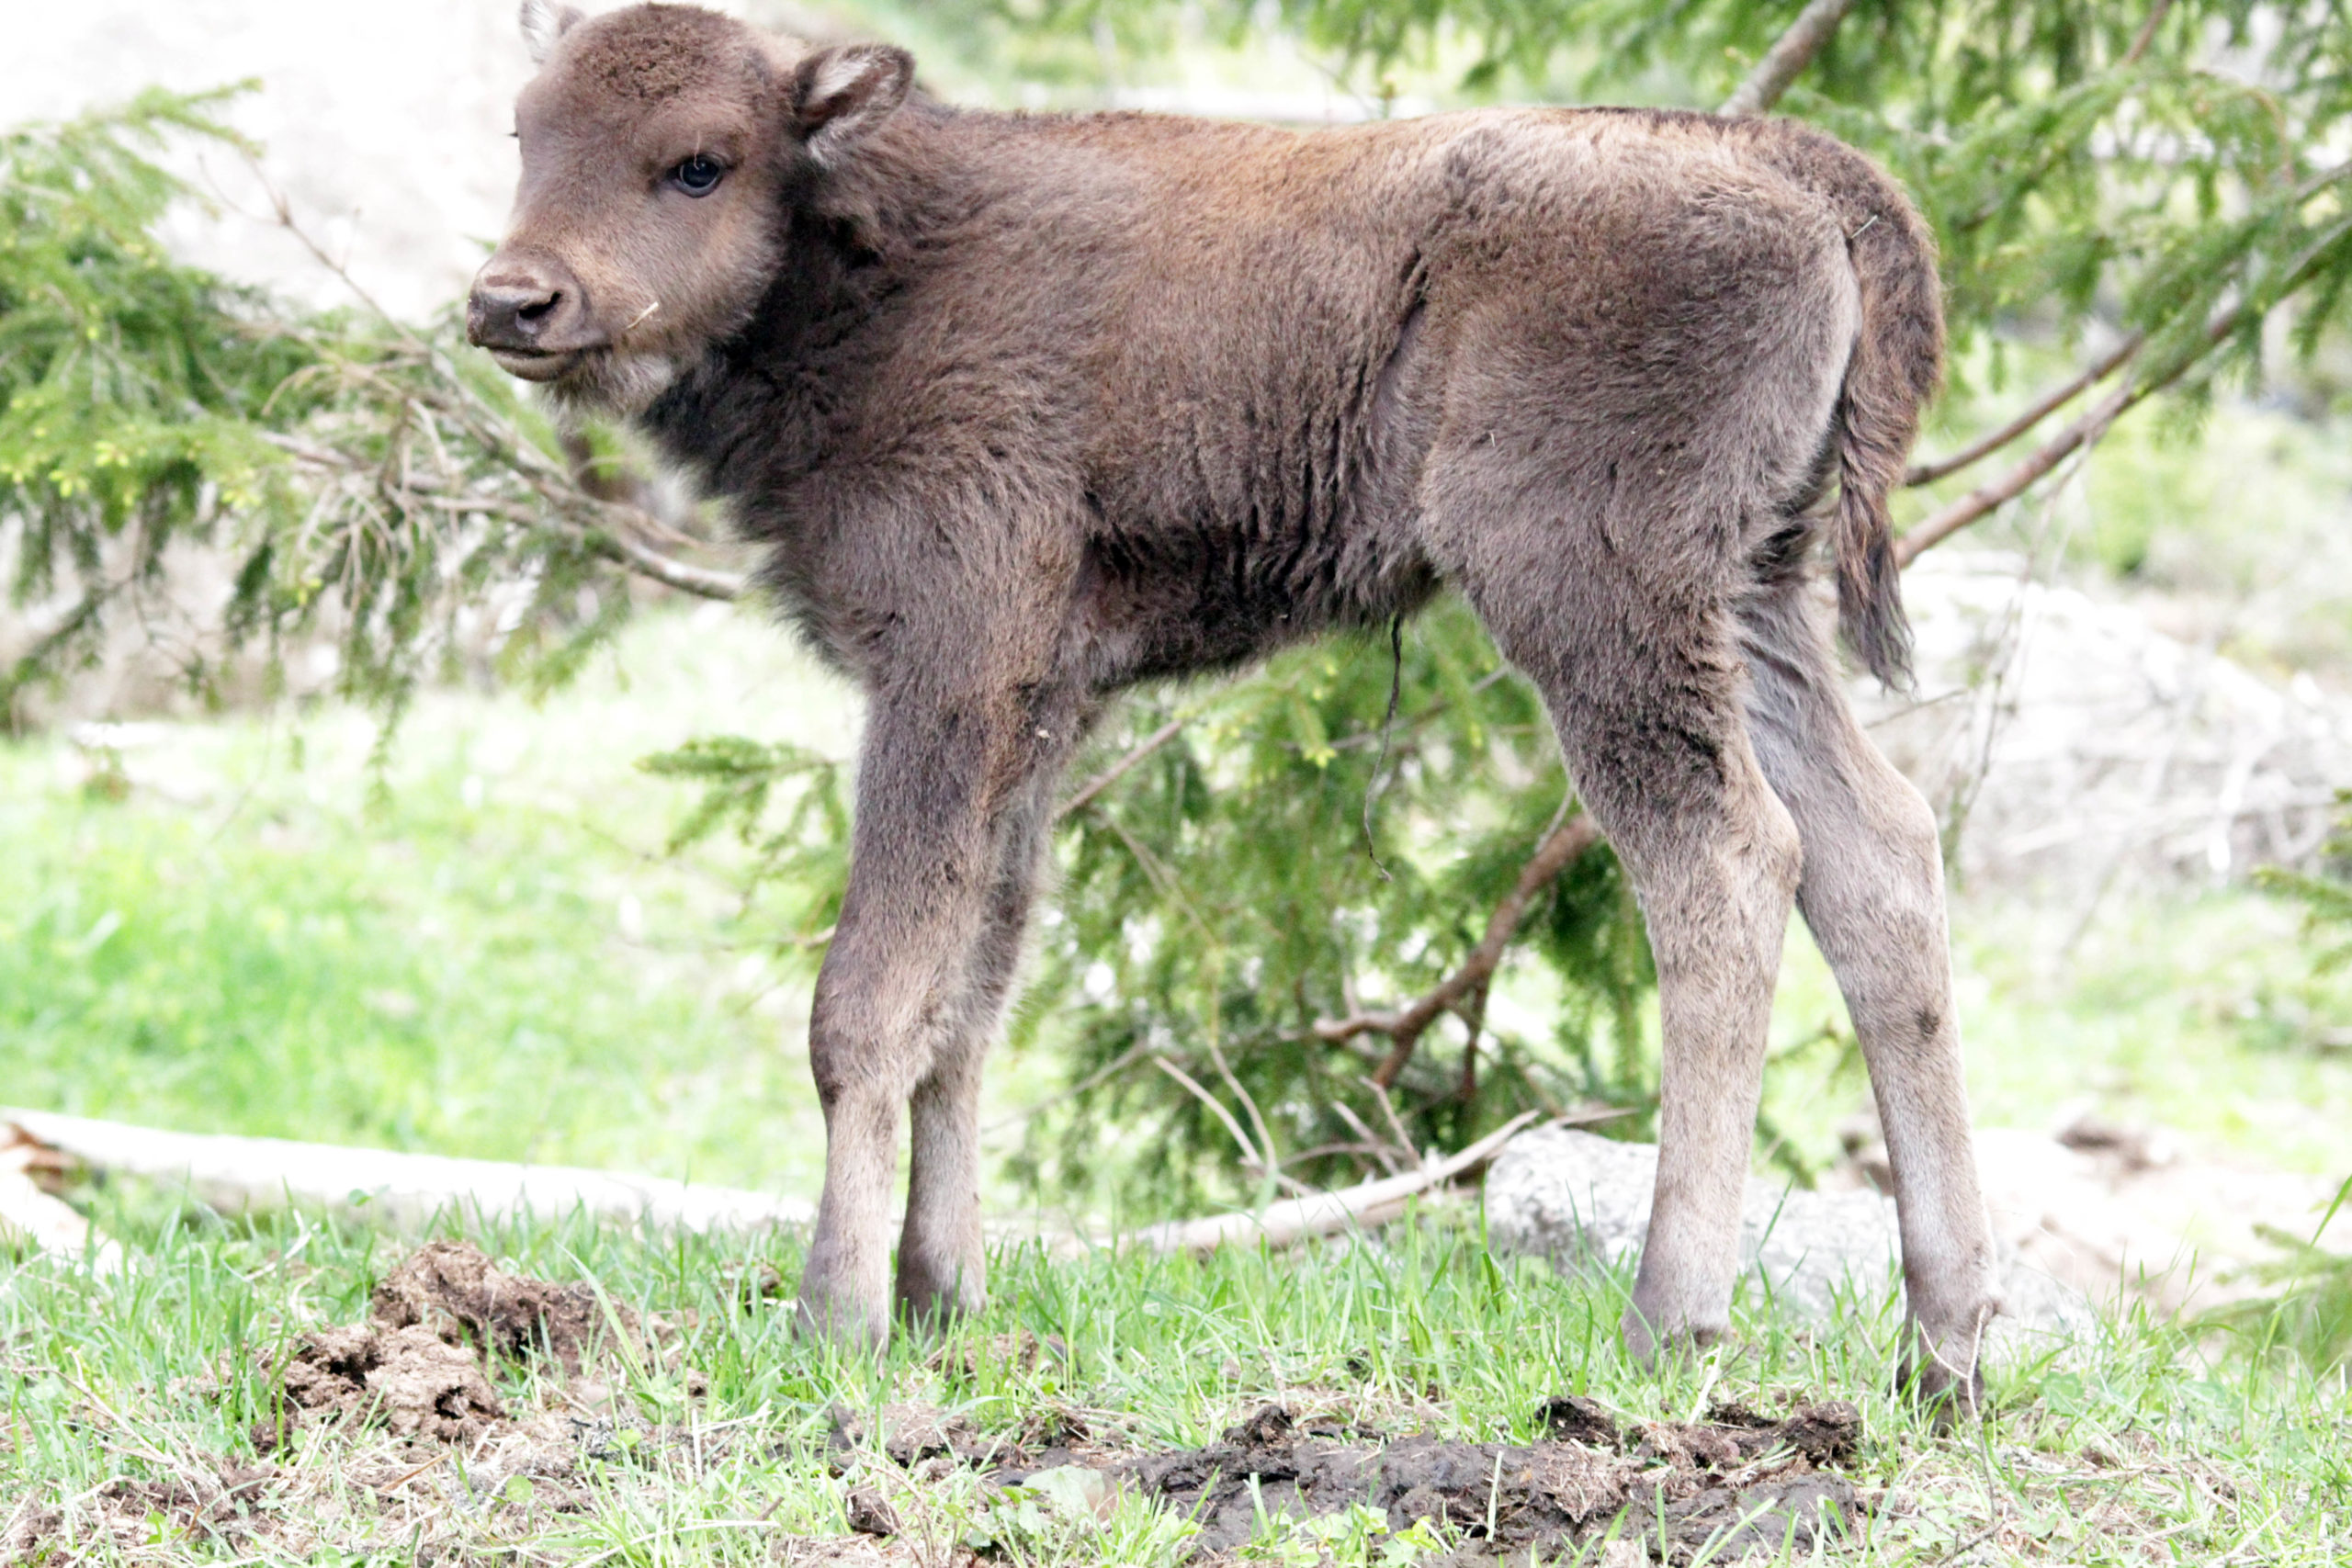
(612,529)
(1788,57)
(684,576)
(1405,1028)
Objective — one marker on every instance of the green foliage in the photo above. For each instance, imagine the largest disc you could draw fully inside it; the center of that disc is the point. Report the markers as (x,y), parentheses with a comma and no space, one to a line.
(800,853)
(371,483)
(2309,1314)
(2155,165)
(2327,897)
(137,391)
(1224,899)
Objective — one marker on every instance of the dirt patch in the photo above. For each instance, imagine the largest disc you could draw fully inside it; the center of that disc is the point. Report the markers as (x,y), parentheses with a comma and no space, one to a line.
(218,1502)
(419,1364)
(1738,1479)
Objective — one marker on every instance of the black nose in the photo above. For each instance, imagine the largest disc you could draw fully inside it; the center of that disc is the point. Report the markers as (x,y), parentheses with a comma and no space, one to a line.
(530,306)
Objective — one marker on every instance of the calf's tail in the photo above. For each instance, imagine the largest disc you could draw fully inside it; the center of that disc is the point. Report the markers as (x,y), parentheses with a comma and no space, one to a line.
(1896,365)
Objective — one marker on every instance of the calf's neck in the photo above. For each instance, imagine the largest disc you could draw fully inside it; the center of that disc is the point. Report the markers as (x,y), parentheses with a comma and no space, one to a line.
(1028,408)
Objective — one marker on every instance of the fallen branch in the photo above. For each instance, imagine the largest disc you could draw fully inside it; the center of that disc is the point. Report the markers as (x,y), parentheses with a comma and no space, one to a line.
(1788,57)
(236,1175)
(1405,1028)
(1322,1214)
(31,1217)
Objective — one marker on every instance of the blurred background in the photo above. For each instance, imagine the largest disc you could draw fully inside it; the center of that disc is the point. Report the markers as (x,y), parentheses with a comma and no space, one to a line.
(364,783)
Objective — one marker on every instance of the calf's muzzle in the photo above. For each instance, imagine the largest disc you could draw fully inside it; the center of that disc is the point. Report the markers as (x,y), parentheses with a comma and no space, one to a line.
(532,314)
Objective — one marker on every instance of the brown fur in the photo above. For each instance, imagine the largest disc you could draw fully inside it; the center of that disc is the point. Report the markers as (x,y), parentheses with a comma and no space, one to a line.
(1029,409)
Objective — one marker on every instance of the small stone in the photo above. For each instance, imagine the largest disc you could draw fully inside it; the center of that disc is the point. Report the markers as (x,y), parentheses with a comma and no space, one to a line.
(1571,1417)
(869,1512)
(1582,1200)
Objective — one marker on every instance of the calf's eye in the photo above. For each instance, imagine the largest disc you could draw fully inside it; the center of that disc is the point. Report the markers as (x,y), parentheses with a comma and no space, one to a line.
(698,176)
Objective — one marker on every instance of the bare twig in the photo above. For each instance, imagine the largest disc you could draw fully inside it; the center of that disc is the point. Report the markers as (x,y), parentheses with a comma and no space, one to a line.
(1119,770)
(1788,57)
(1381,1148)
(1405,1026)
(1249,1154)
(1986,497)
(1110,1069)
(620,547)
(1396,1123)
(2147,33)
(615,531)
(2041,408)
(2084,430)
(1250,1108)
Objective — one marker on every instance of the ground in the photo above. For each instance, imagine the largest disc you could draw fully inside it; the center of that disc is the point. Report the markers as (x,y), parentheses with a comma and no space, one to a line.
(1103,1410)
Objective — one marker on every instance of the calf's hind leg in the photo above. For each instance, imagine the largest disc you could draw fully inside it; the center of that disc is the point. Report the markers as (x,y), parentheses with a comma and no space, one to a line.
(1641,675)
(1872,894)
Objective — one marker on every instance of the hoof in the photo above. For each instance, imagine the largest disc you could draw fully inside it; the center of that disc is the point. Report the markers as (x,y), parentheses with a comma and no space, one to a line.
(1944,1375)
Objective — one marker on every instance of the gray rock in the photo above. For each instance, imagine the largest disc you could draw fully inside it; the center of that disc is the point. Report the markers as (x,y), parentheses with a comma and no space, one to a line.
(1581,1201)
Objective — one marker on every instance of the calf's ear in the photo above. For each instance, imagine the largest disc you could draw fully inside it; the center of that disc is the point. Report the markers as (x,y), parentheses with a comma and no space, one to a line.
(543,23)
(840,94)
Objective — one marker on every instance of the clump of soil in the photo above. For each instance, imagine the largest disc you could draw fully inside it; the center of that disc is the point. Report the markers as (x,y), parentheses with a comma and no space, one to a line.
(1736,1480)
(419,1363)
(452,1289)
(909,1433)
(416,1383)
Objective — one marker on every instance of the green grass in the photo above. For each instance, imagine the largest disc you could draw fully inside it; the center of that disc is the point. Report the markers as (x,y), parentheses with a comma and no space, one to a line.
(493,960)
(2131,1449)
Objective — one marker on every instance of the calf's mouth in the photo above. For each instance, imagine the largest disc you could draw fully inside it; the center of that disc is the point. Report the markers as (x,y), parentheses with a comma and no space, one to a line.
(536,364)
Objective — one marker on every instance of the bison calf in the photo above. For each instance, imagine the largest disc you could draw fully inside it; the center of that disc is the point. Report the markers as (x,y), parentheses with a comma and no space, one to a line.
(1030,408)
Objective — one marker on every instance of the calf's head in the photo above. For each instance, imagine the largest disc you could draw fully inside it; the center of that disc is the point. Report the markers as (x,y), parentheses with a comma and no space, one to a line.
(659,145)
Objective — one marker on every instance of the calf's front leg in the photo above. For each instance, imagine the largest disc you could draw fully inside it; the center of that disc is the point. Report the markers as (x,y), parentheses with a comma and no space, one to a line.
(893,1017)
(942,1267)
